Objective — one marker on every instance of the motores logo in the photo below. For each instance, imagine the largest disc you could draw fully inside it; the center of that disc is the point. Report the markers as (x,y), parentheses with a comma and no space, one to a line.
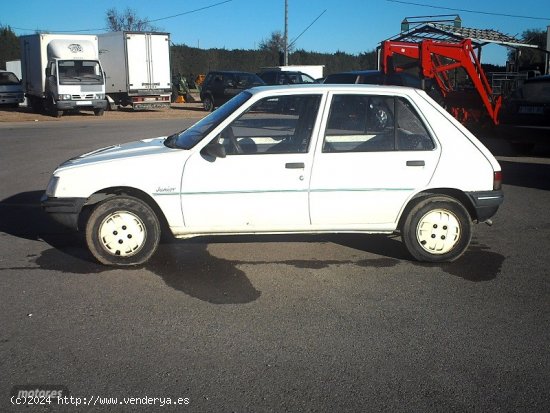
(75,48)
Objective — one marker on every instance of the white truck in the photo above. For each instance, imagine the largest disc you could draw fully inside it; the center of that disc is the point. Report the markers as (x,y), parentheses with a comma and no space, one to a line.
(137,68)
(61,72)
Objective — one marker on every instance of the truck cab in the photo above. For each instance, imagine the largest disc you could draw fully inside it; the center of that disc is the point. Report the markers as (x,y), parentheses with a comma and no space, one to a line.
(62,73)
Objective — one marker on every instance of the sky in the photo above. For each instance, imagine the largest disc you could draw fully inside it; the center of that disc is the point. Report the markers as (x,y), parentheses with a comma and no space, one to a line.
(326,26)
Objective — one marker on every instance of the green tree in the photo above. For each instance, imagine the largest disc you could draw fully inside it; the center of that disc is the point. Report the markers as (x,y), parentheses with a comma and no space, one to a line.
(527,58)
(9,45)
(128,20)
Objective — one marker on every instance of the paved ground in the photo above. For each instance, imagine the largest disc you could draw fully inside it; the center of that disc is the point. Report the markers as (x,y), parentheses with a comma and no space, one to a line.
(271,324)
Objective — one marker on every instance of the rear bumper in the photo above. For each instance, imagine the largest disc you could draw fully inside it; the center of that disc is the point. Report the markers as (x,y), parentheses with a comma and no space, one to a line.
(485,203)
(65,211)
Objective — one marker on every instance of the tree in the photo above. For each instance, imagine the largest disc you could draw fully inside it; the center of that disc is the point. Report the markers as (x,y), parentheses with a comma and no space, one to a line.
(9,45)
(528,58)
(128,20)
(274,46)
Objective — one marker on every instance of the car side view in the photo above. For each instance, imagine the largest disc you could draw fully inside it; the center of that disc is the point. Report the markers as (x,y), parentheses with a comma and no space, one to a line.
(291,159)
(220,86)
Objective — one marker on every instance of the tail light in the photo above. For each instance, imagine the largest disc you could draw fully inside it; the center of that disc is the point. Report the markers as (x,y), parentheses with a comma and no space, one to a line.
(497,180)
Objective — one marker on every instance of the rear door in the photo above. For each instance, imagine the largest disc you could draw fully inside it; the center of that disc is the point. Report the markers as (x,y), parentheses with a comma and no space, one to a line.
(138,62)
(375,153)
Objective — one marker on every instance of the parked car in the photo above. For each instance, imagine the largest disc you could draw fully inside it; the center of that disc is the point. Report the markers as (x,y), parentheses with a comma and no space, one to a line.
(372,77)
(377,77)
(11,90)
(284,77)
(220,86)
(347,158)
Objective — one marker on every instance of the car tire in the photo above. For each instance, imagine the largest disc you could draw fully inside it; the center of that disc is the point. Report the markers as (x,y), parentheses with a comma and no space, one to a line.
(208,103)
(122,231)
(99,112)
(437,229)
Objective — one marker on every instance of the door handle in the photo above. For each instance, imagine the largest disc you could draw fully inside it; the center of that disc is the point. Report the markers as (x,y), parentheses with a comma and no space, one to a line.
(295,165)
(416,163)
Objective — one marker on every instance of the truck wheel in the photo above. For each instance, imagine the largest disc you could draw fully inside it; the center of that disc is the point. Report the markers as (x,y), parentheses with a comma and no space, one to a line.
(36,104)
(51,108)
(99,112)
(437,229)
(122,231)
(208,103)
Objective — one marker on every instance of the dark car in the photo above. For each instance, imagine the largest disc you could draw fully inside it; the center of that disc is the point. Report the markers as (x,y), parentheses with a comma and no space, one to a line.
(220,86)
(284,77)
(372,77)
(377,77)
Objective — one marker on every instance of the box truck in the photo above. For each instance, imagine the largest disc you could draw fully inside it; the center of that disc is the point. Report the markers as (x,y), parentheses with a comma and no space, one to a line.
(61,72)
(137,68)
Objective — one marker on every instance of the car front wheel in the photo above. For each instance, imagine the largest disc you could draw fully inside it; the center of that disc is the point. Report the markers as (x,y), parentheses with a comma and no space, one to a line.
(208,104)
(122,231)
(437,229)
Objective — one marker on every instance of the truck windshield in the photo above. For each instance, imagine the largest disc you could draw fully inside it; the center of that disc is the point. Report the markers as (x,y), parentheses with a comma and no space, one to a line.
(72,72)
(190,137)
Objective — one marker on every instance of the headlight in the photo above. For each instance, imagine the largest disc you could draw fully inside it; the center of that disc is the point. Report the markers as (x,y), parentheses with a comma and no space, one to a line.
(64,97)
(100,96)
(52,186)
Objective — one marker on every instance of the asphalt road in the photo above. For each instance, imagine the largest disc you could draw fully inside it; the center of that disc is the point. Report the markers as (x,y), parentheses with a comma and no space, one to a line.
(343,323)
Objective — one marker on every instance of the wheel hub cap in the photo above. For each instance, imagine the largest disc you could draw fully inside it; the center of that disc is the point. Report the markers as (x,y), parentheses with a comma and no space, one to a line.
(438,231)
(122,233)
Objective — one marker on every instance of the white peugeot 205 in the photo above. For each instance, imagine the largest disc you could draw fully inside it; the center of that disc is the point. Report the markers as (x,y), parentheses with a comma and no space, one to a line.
(299,159)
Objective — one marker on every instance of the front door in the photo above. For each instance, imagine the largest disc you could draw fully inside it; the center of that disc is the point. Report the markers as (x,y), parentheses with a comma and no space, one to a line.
(262,183)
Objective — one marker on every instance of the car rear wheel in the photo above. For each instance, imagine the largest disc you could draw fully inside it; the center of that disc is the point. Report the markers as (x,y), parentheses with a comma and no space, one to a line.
(122,231)
(437,229)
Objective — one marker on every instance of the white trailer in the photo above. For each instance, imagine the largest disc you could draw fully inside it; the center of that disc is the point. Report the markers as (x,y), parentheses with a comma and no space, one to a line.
(62,72)
(137,68)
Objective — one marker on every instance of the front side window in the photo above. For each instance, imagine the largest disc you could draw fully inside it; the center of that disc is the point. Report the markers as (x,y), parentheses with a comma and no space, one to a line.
(280,124)
(370,123)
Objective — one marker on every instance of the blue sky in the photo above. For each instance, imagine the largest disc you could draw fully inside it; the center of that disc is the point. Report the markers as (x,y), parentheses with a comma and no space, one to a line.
(352,26)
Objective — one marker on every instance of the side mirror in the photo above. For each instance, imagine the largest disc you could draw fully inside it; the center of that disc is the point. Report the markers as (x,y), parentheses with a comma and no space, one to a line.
(214,149)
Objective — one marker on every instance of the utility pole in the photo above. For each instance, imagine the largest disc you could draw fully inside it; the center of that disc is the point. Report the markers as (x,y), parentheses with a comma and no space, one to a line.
(286,34)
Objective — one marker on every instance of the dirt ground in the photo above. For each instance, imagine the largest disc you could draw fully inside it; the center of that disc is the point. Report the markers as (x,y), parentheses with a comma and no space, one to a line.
(177,110)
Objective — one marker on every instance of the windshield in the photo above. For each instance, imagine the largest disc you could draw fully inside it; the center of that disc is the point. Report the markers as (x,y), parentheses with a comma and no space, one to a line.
(190,137)
(8,78)
(73,72)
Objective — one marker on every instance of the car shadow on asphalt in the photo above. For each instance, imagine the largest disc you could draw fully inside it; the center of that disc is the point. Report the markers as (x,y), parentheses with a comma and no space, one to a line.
(188,266)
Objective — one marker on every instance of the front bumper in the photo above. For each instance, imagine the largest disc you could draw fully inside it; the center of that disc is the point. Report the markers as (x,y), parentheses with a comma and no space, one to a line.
(81,104)
(65,211)
(485,203)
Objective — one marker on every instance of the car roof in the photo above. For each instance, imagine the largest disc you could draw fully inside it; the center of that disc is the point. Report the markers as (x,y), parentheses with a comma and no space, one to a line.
(357,72)
(231,71)
(324,87)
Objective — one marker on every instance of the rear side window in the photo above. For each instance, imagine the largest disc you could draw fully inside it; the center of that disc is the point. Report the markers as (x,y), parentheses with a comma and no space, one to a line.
(371,123)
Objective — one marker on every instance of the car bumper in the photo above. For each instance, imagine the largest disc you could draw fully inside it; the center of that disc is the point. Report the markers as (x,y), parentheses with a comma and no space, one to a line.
(81,104)
(65,211)
(485,203)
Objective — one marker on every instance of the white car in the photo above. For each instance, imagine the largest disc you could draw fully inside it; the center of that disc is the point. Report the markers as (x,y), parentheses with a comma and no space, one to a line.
(298,159)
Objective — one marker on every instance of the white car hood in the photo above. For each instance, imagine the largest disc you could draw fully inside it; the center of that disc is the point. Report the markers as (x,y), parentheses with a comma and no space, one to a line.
(126,151)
